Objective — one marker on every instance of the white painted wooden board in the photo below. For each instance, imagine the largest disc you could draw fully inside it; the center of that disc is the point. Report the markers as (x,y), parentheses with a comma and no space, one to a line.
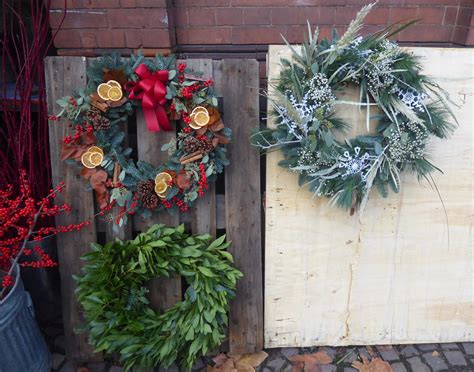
(389,277)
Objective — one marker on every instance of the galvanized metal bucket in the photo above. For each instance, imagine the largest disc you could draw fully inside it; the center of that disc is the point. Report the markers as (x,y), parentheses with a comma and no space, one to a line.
(22,346)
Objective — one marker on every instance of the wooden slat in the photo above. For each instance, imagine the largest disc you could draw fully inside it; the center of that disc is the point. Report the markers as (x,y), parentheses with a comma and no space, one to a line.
(164,292)
(63,76)
(204,211)
(243,203)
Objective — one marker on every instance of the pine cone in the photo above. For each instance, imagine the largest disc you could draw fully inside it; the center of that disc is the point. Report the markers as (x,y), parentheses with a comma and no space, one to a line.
(146,187)
(206,145)
(191,145)
(150,200)
(98,121)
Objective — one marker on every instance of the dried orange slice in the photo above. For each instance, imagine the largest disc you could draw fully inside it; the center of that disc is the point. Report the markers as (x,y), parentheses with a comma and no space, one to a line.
(86,161)
(114,83)
(194,125)
(201,118)
(161,187)
(115,94)
(103,91)
(163,177)
(198,109)
(96,158)
(95,149)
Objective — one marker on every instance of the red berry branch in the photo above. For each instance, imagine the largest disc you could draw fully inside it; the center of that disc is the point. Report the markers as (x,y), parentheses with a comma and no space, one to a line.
(19,216)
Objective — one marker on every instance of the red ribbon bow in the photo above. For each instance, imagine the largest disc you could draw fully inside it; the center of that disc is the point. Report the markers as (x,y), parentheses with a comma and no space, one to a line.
(151,90)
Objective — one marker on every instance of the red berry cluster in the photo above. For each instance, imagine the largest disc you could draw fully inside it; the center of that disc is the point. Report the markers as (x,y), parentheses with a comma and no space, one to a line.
(181,69)
(79,131)
(203,185)
(180,204)
(186,118)
(19,215)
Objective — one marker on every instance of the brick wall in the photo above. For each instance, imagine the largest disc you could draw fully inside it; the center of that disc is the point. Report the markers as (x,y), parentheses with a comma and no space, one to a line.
(233,26)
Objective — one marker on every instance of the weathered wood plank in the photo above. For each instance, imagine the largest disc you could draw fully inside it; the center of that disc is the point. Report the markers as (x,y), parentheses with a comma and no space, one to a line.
(391,275)
(164,292)
(63,76)
(204,211)
(243,203)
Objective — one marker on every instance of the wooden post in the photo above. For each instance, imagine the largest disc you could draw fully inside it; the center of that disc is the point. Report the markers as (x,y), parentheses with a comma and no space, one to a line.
(164,292)
(204,211)
(243,203)
(63,76)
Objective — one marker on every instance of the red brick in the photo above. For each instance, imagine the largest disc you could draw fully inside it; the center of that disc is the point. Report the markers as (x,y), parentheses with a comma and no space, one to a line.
(78,19)
(258,2)
(257,16)
(296,34)
(450,15)
(344,15)
(431,2)
(81,4)
(67,39)
(464,17)
(199,3)
(229,16)
(138,18)
(110,38)
(460,35)
(431,15)
(284,16)
(470,37)
(380,2)
(258,35)
(204,35)
(317,15)
(88,39)
(333,2)
(466,3)
(401,14)
(180,17)
(426,33)
(152,38)
(202,16)
(378,16)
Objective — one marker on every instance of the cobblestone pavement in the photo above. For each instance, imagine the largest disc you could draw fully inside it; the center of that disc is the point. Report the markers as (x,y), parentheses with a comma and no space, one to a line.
(454,357)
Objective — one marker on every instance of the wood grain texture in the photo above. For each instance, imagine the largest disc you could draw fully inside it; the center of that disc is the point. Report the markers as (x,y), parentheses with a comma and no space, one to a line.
(63,76)
(388,276)
(243,203)
(164,292)
(204,211)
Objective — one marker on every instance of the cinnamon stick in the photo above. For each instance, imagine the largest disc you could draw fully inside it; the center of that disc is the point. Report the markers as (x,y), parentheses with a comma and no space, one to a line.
(190,160)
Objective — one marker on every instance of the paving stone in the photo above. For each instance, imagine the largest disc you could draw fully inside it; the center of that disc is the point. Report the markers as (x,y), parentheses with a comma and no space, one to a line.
(417,365)
(388,354)
(351,356)
(455,358)
(398,367)
(276,364)
(435,362)
(328,368)
(427,347)
(350,369)
(449,346)
(469,347)
(68,367)
(331,351)
(116,369)
(363,352)
(289,351)
(266,369)
(57,360)
(409,351)
(173,368)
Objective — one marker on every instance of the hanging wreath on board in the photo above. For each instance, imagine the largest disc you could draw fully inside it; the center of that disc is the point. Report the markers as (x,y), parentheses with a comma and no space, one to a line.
(411,109)
(165,92)
(112,291)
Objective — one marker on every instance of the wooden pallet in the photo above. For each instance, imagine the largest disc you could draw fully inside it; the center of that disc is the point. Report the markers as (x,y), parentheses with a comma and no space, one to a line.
(237,211)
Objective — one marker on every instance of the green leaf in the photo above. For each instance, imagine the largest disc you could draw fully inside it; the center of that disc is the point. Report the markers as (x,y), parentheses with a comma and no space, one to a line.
(206,271)
(216,243)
